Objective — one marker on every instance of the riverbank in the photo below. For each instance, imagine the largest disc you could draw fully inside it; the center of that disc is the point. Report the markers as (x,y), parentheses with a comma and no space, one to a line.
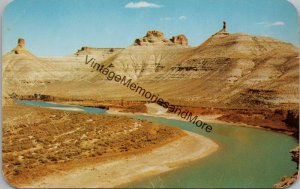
(39,143)
(281,119)
(120,171)
(155,110)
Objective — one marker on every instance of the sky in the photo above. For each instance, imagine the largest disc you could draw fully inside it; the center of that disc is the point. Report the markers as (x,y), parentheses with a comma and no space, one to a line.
(61,27)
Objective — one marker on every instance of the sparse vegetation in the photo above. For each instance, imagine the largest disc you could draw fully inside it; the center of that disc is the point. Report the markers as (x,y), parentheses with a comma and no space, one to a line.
(36,138)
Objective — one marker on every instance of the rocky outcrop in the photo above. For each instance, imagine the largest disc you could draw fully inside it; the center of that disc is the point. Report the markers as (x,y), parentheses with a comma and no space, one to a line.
(288,181)
(180,40)
(152,37)
(20,47)
(155,37)
(223,31)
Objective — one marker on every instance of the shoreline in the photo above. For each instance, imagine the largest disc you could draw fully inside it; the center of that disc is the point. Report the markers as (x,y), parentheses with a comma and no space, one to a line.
(206,118)
(163,114)
(157,111)
(213,118)
(121,171)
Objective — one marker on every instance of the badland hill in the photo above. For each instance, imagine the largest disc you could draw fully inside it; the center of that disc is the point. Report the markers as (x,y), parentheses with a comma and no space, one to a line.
(227,70)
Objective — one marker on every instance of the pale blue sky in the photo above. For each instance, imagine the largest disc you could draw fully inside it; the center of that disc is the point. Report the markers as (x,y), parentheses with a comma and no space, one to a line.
(60,27)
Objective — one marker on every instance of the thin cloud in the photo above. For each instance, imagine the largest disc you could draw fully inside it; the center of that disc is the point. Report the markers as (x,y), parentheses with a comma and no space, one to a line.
(278,23)
(166,18)
(141,4)
(272,24)
(261,23)
(182,17)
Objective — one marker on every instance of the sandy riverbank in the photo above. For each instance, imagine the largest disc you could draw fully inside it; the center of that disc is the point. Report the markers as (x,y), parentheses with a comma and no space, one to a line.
(114,173)
(274,120)
(155,110)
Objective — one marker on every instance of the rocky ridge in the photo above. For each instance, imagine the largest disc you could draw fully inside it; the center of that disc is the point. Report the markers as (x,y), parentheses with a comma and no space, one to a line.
(155,37)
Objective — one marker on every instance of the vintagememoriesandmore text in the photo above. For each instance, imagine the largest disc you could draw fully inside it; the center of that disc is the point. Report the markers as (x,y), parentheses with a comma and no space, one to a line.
(123,80)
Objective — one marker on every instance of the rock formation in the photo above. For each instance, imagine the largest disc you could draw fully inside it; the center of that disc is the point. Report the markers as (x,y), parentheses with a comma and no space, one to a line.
(152,37)
(223,32)
(20,47)
(288,181)
(155,37)
(180,40)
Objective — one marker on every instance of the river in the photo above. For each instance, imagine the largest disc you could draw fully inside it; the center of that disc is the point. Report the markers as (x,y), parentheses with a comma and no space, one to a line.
(247,157)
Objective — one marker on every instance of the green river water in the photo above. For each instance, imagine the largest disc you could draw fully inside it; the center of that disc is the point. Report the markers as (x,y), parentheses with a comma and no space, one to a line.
(246,158)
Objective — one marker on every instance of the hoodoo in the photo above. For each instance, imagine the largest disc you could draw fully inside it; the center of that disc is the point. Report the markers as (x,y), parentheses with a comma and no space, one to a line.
(20,47)
(223,31)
